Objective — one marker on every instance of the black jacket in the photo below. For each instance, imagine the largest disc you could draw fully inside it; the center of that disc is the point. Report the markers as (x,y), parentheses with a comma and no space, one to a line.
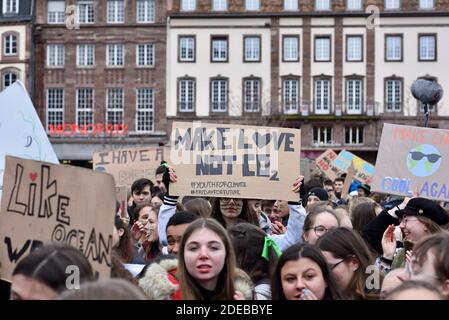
(374,230)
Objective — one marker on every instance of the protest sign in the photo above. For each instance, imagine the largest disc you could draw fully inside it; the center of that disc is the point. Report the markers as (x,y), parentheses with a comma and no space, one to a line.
(223,160)
(128,165)
(44,203)
(363,170)
(324,163)
(412,158)
(21,131)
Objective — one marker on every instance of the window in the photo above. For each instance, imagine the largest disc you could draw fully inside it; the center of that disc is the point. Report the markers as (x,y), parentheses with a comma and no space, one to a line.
(290,48)
(290,4)
(10,6)
(55,107)
(84,106)
(322,96)
(116,11)
(9,45)
(426,4)
(322,135)
(251,49)
(187,49)
(354,135)
(114,102)
(145,110)
(85,55)
(393,48)
(186,95)
(393,95)
(219,95)
(56,12)
(55,55)
(145,11)
(354,5)
(323,49)
(188,5)
(251,95)
(86,12)
(427,47)
(219,49)
(354,96)
(115,55)
(8,79)
(392,4)
(220,5)
(145,55)
(290,95)
(322,5)
(354,48)
(252,4)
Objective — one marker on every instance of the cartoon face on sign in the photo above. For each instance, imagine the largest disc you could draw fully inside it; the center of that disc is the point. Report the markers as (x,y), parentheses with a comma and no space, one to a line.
(423,160)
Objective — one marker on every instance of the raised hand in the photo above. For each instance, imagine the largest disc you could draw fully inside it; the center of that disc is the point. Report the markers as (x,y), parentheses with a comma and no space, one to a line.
(307,294)
(389,242)
(297,183)
(278,228)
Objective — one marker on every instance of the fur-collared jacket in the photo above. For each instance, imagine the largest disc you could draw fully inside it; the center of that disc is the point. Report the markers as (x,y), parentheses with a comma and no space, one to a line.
(160,282)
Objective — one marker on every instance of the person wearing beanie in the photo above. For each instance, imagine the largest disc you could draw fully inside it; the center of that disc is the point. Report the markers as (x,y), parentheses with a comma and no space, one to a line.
(317,194)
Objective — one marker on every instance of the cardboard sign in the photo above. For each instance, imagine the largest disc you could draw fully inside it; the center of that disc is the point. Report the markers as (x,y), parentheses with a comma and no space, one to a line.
(21,131)
(324,163)
(45,203)
(412,158)
(363,170)
(128,165)
(232,161)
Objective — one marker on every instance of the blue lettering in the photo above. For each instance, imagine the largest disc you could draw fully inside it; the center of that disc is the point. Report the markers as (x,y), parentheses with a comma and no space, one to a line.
(443,191)
(433,189)
(425,189)
(384,180)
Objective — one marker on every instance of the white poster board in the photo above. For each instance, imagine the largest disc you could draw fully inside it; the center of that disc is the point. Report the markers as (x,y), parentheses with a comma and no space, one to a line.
(21,131)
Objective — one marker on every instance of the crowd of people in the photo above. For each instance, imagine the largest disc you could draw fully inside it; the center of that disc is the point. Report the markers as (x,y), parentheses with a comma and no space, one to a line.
(324,246)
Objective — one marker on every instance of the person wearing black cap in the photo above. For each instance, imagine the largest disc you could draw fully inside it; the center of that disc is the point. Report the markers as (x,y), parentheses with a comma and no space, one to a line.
(420,217)
(364,190)
(317,194)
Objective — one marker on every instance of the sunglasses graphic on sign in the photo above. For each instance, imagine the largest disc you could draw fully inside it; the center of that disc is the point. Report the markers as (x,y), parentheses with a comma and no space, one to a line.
(423,160)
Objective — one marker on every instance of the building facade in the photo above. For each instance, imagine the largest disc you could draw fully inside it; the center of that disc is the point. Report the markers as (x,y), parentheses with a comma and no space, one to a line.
(324,66)
(101,66)
(16,58)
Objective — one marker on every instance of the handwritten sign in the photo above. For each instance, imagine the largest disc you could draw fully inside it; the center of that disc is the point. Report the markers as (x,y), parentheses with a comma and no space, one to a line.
(21,131)
(222,160)
(43,202)
(363,170)
(412,158)
(324,163)
(128,165)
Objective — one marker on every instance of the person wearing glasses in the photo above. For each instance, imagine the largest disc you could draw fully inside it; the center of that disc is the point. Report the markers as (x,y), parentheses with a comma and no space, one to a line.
(303,274)
(419,218)
(318,221)
(348,258)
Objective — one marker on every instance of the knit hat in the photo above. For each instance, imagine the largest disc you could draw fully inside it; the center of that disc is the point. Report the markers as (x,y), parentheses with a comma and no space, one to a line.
(425,208)
(318,192)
